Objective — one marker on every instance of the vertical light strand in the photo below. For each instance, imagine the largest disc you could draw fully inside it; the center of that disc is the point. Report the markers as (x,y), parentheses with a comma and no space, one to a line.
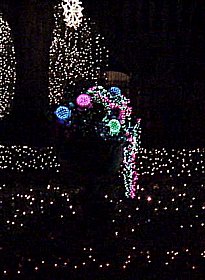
(7,68)
(129,171)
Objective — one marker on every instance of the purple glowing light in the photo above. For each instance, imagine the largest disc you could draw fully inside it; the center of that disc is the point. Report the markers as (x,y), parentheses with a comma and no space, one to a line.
(83,101)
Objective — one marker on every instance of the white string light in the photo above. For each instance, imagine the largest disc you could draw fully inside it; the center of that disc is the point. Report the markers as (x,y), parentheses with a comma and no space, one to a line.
(167,203)
(20,158)
(129,168)
(75,55)
(7,68)
(174,163)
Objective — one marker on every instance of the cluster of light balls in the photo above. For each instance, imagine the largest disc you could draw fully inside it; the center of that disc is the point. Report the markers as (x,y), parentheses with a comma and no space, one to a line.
(113,127)
(7,68)
(76,54)
(110,101)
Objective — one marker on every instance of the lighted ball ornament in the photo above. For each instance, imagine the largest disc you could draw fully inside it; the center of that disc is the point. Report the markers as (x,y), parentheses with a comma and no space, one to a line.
(63,113)
(115,91)
(83,101)
(114,126)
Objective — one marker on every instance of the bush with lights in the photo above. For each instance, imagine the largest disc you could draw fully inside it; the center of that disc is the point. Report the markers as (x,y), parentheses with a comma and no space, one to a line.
(102,115)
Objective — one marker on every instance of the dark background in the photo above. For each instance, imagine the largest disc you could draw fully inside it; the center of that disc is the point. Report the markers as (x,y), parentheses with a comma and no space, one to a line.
(160,44)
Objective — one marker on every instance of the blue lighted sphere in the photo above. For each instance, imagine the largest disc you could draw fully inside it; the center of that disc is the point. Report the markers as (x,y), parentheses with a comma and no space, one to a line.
(115,91)
(63,113)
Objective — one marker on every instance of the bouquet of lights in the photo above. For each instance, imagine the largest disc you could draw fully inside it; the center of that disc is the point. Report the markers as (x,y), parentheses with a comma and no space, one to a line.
(105,114)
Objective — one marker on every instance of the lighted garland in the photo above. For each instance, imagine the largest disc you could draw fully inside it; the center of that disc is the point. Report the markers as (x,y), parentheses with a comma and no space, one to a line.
(121,124)
(112,121)
(130,172)
(77,54)
(117,111)
(7,68)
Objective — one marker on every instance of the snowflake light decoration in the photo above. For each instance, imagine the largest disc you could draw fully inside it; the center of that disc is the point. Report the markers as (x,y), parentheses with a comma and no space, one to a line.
(72,13)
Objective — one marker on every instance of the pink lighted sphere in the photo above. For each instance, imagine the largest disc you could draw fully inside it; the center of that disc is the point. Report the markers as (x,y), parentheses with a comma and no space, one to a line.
(83,100)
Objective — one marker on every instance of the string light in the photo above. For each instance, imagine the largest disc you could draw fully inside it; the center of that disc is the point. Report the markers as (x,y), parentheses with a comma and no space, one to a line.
(112,121)
(75,55)
(130,151)
(7,68)
(179,196)
(172,163)
(150,162)
(121,123)
(21,158)
(136,252)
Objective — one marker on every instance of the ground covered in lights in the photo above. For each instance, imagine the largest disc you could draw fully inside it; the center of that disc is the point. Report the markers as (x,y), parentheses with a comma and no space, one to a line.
(52,230)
